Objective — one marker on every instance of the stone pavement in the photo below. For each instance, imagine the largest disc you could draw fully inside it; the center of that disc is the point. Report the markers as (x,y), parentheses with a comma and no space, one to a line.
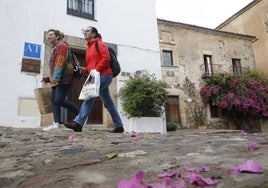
(97,158)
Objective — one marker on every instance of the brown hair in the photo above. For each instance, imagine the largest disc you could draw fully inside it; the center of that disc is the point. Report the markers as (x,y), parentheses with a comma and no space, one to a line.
(58,34)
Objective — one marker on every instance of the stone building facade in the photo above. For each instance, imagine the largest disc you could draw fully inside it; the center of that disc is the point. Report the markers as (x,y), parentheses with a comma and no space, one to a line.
(189,53)
(252,20)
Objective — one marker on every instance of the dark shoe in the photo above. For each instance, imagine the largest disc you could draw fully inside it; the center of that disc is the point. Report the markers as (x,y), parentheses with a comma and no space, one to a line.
(73,125)
(118,130)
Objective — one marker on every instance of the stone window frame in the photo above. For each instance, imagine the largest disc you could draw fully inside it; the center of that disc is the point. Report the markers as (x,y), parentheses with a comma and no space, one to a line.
(208,65)
(167,58)
(236,65)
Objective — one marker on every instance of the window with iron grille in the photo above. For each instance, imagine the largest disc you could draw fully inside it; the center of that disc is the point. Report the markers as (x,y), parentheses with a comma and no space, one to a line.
(237,66)
(208,65)
(167,58)
(81,8)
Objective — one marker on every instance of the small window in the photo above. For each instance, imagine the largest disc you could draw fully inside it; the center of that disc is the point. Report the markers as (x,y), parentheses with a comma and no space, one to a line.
(81,8)
(237,66)
(208,65)
(167,58)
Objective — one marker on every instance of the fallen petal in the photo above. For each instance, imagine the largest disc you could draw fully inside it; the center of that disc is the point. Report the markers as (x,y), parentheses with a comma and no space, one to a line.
(252,146)
(156,185)
(249,166)
(244,133)
(181,184)
(167,184)
(169,173)
(196,169)
(201,181)
(72,136)
(135,182)
(133,133)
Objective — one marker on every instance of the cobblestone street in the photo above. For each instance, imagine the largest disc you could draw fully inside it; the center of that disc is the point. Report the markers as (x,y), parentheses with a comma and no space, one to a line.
(97,158)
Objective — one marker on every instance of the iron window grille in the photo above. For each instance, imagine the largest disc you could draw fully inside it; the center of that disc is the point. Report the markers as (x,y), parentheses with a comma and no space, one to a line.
(167,58)
(208,65)
(237,69)
(81,8)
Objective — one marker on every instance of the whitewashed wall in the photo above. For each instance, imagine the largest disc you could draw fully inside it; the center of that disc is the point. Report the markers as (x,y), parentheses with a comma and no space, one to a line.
(130,24)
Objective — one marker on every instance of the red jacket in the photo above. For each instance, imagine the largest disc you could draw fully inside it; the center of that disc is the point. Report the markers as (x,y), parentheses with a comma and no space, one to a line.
(100,59)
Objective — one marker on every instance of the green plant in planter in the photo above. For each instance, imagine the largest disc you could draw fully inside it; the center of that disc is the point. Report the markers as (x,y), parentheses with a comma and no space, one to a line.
(143,95)
(172,126)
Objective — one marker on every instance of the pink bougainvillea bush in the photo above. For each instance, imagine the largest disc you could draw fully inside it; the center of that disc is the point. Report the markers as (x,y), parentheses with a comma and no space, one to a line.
(243,96)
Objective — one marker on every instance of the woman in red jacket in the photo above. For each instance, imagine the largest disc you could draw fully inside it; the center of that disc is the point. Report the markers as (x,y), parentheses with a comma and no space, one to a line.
(99,59)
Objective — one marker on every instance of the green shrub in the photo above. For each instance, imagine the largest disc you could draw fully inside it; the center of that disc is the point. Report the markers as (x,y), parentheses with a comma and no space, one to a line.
(143,95)
(172,126)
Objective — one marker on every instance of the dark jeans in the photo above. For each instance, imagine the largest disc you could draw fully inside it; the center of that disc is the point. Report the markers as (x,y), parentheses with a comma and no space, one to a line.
(105,96)
(58,100)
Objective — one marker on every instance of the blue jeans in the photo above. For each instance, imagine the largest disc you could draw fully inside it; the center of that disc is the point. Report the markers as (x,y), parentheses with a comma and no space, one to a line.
(105,96)
(58,99)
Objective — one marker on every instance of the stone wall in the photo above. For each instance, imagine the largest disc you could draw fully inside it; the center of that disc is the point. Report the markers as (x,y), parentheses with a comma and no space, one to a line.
(189,44)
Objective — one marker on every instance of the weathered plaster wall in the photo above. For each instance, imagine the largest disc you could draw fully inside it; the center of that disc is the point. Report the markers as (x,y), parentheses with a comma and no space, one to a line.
(188,45)
(252,20)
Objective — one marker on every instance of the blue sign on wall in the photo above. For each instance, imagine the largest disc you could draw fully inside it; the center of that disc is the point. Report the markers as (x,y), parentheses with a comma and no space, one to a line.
(32,50)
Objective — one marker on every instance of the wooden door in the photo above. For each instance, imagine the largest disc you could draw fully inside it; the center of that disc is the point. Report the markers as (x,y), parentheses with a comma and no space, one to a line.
(96,114)
(172,109)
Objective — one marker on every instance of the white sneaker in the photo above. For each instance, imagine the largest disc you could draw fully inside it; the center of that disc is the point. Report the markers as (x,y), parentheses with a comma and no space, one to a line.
(54,126)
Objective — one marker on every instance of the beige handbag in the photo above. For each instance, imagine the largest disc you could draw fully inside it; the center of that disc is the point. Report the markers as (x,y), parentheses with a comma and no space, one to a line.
(43,99)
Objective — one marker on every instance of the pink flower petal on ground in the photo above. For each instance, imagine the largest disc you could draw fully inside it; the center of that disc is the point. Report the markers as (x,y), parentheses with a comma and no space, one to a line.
(197,169)
(133,133)
(201,181)
(249,166)
(181,184)
(155,185)
(252,146)
(244,133)
(72,136)
(166,183)
(169,173)
(135,182)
